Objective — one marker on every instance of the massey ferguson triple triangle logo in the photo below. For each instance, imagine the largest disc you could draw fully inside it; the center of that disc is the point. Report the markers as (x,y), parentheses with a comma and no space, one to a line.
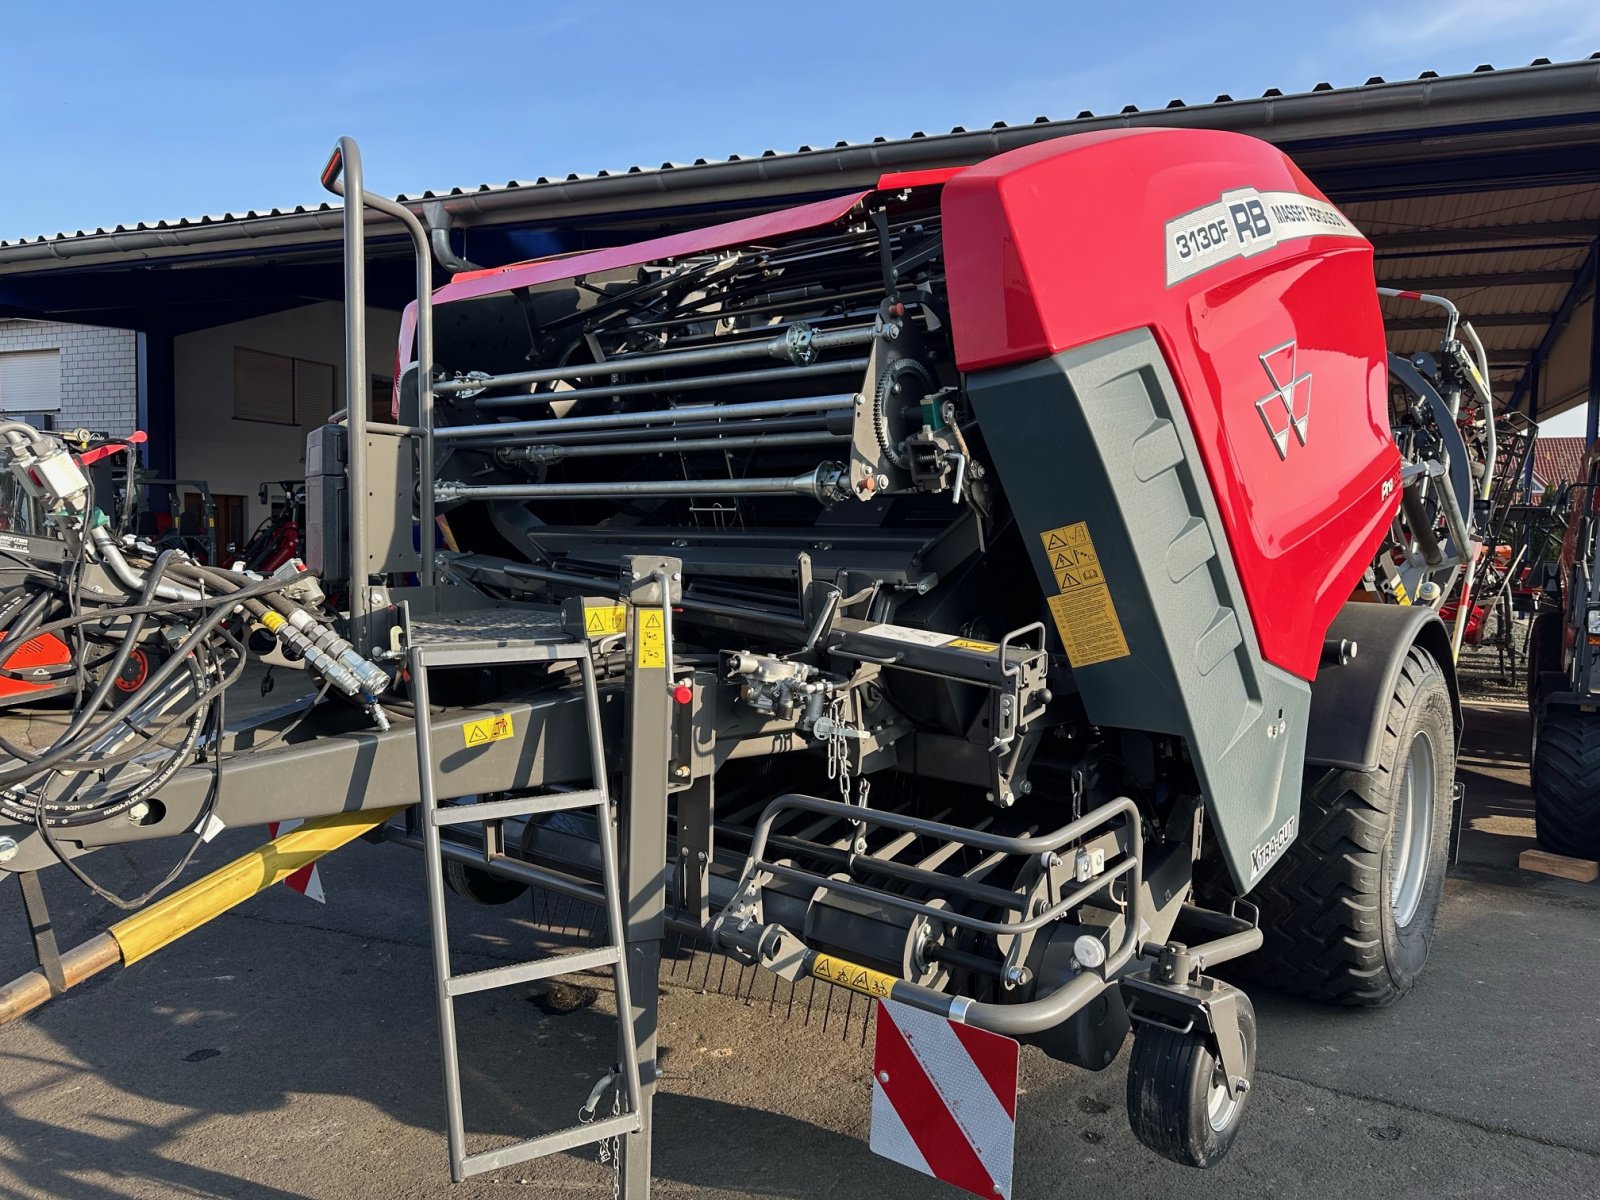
(1288,405)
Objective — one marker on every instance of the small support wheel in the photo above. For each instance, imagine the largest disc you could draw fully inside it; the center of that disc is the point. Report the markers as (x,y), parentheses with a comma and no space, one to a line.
(1179,1103)
(480,887)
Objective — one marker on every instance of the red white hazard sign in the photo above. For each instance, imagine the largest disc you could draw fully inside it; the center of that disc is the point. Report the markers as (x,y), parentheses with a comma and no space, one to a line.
(306,881)
(944,1099)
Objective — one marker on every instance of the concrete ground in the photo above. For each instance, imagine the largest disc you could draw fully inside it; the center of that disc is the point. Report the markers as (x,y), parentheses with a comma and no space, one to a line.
(287,1049)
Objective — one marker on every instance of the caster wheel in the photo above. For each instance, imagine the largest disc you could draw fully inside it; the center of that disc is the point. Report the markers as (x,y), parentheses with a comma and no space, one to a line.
(478,886)
(1178,1103)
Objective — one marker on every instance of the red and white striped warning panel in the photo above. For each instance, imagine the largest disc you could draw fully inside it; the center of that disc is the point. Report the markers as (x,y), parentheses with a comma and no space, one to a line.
(306,881)
(944,1099)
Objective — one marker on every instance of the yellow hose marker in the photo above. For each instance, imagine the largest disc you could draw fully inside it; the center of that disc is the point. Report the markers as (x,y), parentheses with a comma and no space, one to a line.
(186,910)
(272,620)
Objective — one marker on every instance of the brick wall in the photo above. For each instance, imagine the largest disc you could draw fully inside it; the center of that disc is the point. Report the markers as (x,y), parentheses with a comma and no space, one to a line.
(99,371)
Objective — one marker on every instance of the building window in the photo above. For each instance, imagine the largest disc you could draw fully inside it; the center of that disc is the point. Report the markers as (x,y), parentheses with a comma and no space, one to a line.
(281,390)
(30,381)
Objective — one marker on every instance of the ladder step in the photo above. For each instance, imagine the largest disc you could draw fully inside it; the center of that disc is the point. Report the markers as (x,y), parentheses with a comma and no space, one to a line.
(542,968)
(517,806)
(550,1143)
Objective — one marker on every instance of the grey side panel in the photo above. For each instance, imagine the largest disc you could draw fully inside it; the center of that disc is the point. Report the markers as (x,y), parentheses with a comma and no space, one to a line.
(1099,434)
(1349,701)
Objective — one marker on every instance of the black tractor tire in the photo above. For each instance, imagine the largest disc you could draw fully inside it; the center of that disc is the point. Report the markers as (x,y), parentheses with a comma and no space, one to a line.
(1544,654)
(1337,927)
(1172,1105)
(478,886)
(1566,781)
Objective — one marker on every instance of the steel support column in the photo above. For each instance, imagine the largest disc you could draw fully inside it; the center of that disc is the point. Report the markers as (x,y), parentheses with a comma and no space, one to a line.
(158,402)
(642,826)
(1592,428)
(1531,377)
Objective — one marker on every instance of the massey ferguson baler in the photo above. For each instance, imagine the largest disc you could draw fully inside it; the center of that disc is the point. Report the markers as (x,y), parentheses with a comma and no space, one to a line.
(979,591)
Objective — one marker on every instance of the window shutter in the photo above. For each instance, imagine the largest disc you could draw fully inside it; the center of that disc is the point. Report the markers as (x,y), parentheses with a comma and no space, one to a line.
(263,387)
(313,392)
(30,381)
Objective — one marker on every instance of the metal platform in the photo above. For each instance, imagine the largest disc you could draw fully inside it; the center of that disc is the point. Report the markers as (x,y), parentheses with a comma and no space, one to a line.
(496,635)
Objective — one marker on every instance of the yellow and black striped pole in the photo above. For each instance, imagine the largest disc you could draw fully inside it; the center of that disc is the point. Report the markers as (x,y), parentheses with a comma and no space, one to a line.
(165,921)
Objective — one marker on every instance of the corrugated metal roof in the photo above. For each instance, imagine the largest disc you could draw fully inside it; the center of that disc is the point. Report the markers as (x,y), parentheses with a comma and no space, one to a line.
(1473,210)
(1373,84)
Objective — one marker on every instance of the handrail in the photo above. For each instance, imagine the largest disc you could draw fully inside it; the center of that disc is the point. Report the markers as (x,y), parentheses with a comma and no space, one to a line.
(343,177)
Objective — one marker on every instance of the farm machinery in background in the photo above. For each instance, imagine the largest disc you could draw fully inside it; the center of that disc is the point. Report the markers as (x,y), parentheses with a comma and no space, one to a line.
(994,591)
(1564,677)
(280,538)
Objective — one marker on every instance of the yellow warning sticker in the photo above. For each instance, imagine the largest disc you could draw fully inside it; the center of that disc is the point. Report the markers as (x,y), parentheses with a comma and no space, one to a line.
(1400,591)
(1072,556)
(1084,614)
(603,620)
(848,974)
(490,729)
(970,644)
(1088,625)
(652,639)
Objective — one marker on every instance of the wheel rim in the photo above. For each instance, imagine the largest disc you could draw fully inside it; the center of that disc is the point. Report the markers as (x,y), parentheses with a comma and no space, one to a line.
(1413,832)
(1220,1102)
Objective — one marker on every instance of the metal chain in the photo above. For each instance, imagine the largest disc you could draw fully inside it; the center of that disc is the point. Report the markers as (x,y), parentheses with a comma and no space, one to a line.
(839,768)
(608,1150)
(616,1143)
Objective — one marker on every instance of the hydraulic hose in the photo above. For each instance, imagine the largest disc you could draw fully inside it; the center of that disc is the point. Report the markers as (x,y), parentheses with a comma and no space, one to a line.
(329,654)
(59,750)
(119,660)
(107,552)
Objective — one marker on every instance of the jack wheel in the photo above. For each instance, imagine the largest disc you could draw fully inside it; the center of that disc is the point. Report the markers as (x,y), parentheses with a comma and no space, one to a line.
(1178,1103)
(478,886)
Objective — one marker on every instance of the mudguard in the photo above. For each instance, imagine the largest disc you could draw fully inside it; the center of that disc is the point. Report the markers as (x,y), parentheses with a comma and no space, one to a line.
(1349,700)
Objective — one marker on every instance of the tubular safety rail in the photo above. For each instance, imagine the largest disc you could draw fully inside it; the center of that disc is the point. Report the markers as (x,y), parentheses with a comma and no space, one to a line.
(765,943)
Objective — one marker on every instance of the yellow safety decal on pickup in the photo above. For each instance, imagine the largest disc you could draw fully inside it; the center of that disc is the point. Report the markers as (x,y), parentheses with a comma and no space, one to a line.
(490,729)
(1085,616)
(970,644)
(1400,591)
(651,635)
(604,620)
(853,976)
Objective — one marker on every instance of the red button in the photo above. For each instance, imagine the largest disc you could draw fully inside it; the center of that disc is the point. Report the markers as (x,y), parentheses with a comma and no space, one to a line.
(683,693)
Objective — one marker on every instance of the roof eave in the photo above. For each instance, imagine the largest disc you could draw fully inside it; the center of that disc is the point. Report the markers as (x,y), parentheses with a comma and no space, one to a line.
(1552,93)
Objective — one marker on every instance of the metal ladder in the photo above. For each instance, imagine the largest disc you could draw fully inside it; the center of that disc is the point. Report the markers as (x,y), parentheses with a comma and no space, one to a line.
(460,652)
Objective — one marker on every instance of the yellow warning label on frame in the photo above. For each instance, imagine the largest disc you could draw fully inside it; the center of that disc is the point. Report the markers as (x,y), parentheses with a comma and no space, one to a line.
(1085,616)
(853,976)
(490,729)
(603,620)
(970,644)
(652,639)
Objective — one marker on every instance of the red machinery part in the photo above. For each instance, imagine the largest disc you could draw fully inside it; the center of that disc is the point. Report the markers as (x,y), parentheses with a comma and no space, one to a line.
(1201,236)
(42,652)
(89,457)
(134,672)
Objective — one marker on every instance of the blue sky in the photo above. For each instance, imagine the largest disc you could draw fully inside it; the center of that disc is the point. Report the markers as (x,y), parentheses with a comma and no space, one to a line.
(114,113)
